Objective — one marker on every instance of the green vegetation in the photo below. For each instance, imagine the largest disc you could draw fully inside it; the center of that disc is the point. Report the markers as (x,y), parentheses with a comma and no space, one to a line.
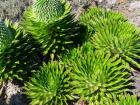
(94,16)
(5,38)
(108,33)
(128,100)
(62,60)
(46,10)
(20,55)
(123,99)
(96,77)
(58,35)
(51,86)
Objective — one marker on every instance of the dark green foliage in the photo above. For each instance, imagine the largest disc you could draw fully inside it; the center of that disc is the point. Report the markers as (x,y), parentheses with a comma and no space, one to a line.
(96,77)
(21,57)
(50,86)
(56,37)
(5,37)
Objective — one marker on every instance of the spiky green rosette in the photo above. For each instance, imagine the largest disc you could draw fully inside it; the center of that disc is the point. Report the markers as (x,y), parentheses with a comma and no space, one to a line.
(95,77)
(94,16)
(118,38)
(50,86)
(21,55)
(111,33)
(48,10)
(56,37)
(21,58)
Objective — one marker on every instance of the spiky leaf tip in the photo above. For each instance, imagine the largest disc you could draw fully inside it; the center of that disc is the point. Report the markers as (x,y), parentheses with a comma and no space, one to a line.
(50,86)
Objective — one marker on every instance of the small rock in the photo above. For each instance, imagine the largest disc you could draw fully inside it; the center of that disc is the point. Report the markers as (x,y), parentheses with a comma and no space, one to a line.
(13,94)
(134,5)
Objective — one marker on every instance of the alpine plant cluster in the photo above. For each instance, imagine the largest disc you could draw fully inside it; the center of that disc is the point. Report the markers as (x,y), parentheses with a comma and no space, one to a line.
(62,60)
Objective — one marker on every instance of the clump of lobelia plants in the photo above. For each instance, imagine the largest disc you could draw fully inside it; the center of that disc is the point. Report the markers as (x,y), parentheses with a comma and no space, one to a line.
(89,60)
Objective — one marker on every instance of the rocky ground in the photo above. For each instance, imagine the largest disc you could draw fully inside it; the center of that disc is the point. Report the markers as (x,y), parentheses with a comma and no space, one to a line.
(13,9)
(130,8)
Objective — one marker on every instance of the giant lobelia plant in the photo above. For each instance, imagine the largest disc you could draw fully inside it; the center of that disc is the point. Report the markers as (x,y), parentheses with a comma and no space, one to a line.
(6,38)
(96,77)
(111,33)
(50,86)
(118,38)
(20,54)
(52,25)
(93,16)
